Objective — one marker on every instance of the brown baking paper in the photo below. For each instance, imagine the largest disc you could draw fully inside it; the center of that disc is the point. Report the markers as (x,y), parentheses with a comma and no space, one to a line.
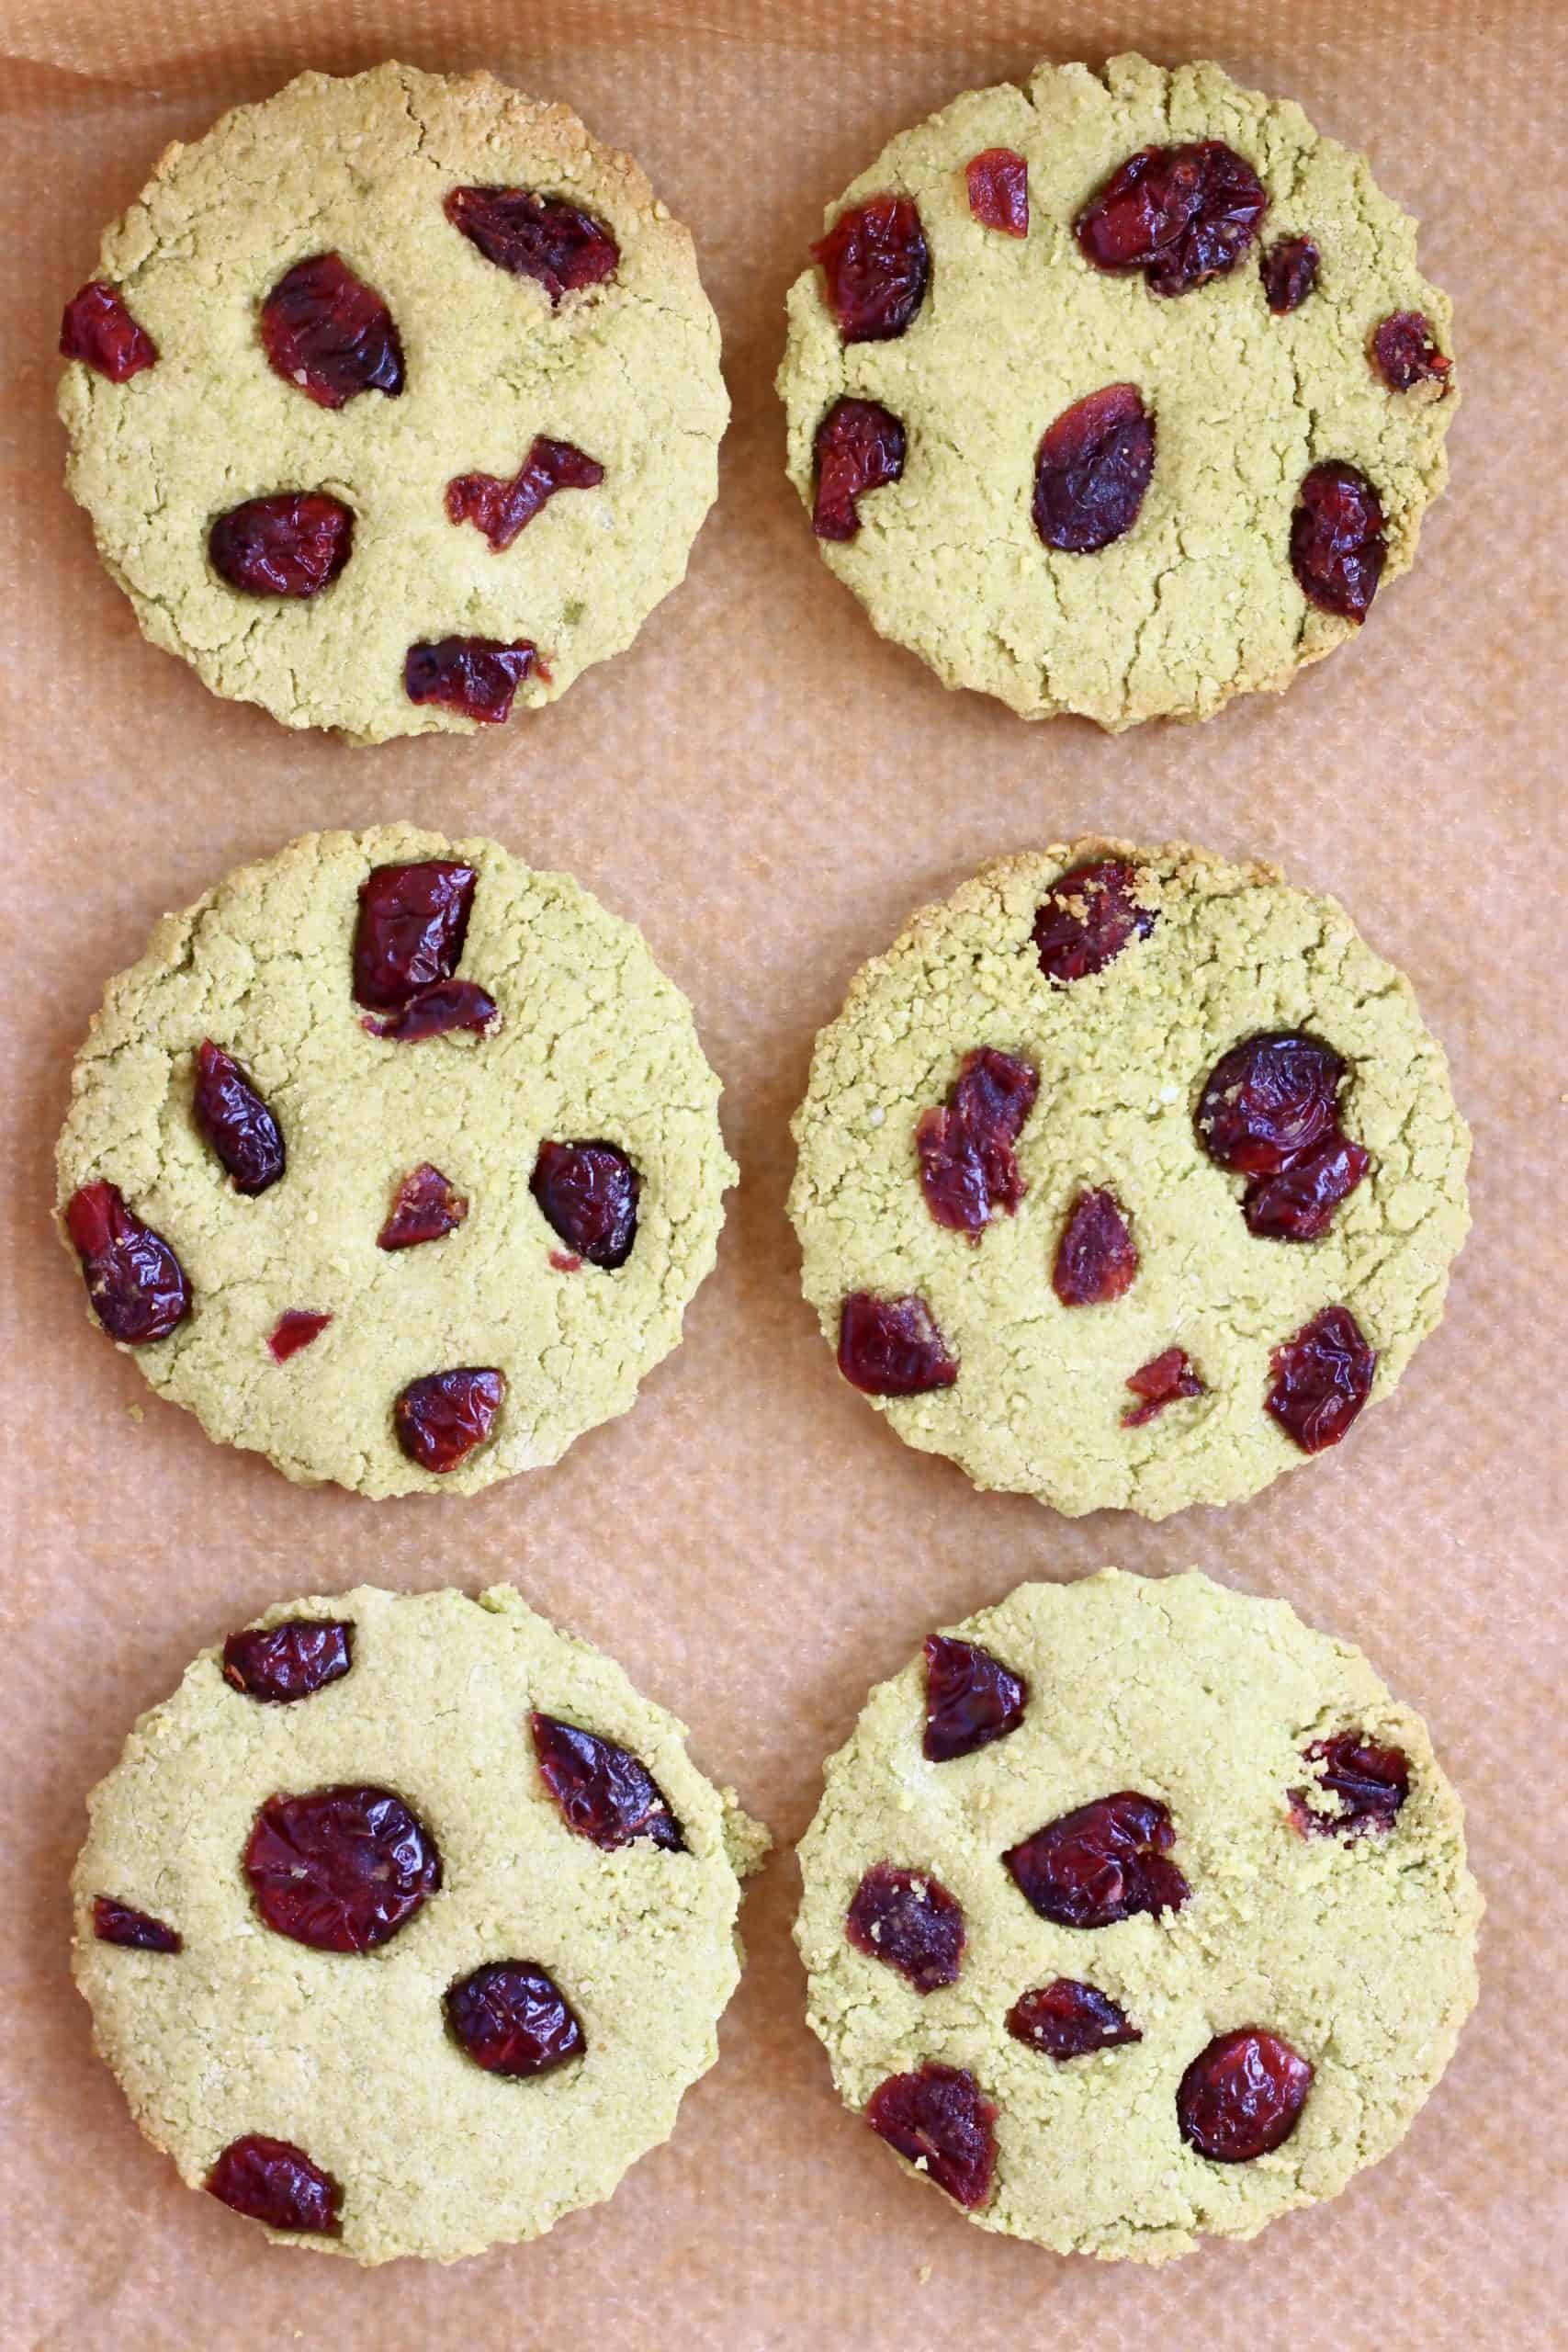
(768,789)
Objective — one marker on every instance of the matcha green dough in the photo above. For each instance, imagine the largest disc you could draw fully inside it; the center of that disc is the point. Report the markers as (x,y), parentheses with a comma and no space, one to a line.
(626,371)
(593,1042)
(1122,1054)
(1357,1949)
(1197,602)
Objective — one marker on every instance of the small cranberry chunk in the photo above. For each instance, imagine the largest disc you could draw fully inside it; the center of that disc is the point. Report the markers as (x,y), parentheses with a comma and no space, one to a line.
(1182,215)
(426,1208)
(1322,1378)
(541,237)
(969,1167)
(998,181)
(1242,2096)
(1288,270)
(278,1664)
(437,1012)
(327,331)
(441,1419)
(1091,470)
(891,1347)
(566,1262)
(275,2182)
(1371,1783)
(1337,543)
(413,923)
(1087,918)
(135,1283)
(1096,1257)
(1405,353)
(941,2120)
(236,1122)
(1269,1099)
(588,1194)
(859,447)
(340,1868)
(476,675)
(1101,1862)
(1067,2019)
(513,2019)
(1299,1204)
(911,1922)
(99,329)
(294,1328)
(604,1793)
(1159,1384)
(971,1699)
(293,544)
(117,1923)
(877,267)
(503,509)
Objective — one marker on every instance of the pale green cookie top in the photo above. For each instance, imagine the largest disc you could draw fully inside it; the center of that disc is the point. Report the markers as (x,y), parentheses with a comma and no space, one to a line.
(1197,602)
(345,2054)
(627,371)
(1358,1951)
(1122,1055)
(593,1044)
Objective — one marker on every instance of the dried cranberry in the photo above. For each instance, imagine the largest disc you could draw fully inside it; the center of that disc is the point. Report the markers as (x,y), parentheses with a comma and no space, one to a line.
(1322,1378)
(541,237)
(1096,1257)
(1091,470)
(998,181)
(281,1663)
(1242,2096)
(1269,1099)
(327,331)
(1159,1384)
(502,509)
(135,1282)
(1371,1783)
(426,1208)
(478,676)
(294,543)
(1182,215)
(1087,918)
(891,1347)
(877,267)
(941,2120)
(909,1920)
(1297,1204)
(235,1121)
(566,1262)
(437,1012)
(341,1869)
(971,1699)
(1067,2019)
(99,329)
(604,1793)
(1338,543)
(968,1168)
(294,1328)
(441,1419)
(117,1923)
(1405,353)
(1288,270)
(413,923)
(513,2019)
(588,1194)
(859,447)
(1101,1862)
(275,2182)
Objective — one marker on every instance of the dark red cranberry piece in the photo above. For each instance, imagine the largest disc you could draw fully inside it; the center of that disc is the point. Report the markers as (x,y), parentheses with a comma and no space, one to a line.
(1096,1257)
(1299,1204)
(478,676)
(1159,1384)
(971,1698)
(941,2120)
(99,329)
(891,1347)
(1288,270)
(294,1328)
(1338,543)
(288,1661)
(1322,1378)
(588,1194)
(907,1919)
(437,1011)
(1268,1100)
(413,923)
(135,1282)
(1371,1783)
(541,237)
(1182,215)
(1243,2095)
(968,1168)
(117,1923)
(1101,1862)
(1066,2020)
(502,509)
(426,1209)
(859,447)
(275,2182)
(440,1420)
(1405,353)
(1091,470)
(235,1121)
(878,268)
(294,543)
(340,1868)
(1087,918)
(513,2019)
(604,1793)
(998,181)
(326,332)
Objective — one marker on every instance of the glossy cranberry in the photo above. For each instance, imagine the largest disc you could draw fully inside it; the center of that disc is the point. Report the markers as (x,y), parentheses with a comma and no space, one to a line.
(426,1209)
(941,2120)
(99,329)
(1242,2096)
(281,1663)
(1096,1257)
(1269,1099)
(541,237)
(859,447)
(437,1012)
(1182,215)
(998,181)
(325,330)
(877,267)
(1405,353)
(513,2019)
(294,543)
(235,1121)
(1091,470)
(587,1193)
(440,1420)
(117,1923)
(135,1282)
(891,1347)
(476,675)
(1322,1378)
(340,1868)
(910,1921)
(604,1793)
(1159,1384)
(969,1167)
(1288,270)
(1101,1862)
(1337,543)
(413,923)
(1369,1782)
(502,509)
(1299,1204)
(275,2182)
(294,1328)
(1087,918)
(1066,2020)
(971,1698)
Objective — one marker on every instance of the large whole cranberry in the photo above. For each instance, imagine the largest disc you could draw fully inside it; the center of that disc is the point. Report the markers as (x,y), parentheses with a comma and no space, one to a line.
(1338,544)
(340,1868)
(1288,270)
(426,1209)
(1322,1378)
(136,1285)
(971,1698)
(293,544)
(290,1660)
(587,1193)
(413,923)
(1268,1100)
(327,331)
(1298,1205)
(238,1124)
(476,675)
(117,1922)
(1067,2019)
(1369,1782)
(859,447)
(502,509)
(1405,353)
(1159,1384)
(1182,215)
(941,2120)
(1242,2096)
(561,247)
(1092,469)
(440,1420)
(605,1794)
(513,2019)
(968,1166)
(1101,1862)
(294,1328)
(437,1011)
(275,2182)
(877,267)
(910,1921)
(998,182)
(99,329)
(1096,1257)
(1087,918)
(891,1347)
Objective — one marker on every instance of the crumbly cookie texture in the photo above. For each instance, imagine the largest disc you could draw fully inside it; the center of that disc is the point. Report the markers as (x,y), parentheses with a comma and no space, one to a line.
(1358,1949)
(1038,1406)
(1197,603)
(626,371)
(344,2054)
(594,1042)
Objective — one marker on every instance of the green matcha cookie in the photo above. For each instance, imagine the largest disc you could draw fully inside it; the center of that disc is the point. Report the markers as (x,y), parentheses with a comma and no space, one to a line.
(1126,1177)
(406,1922)
(1137,1910)
(1117,394)
(395,1161)
(395,397)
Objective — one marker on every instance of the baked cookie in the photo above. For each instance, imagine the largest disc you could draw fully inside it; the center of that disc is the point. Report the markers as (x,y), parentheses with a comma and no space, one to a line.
(1127,1177)
(395,1161)
(394,397)
(406,1922)
(1135,1910)
(1117,394)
